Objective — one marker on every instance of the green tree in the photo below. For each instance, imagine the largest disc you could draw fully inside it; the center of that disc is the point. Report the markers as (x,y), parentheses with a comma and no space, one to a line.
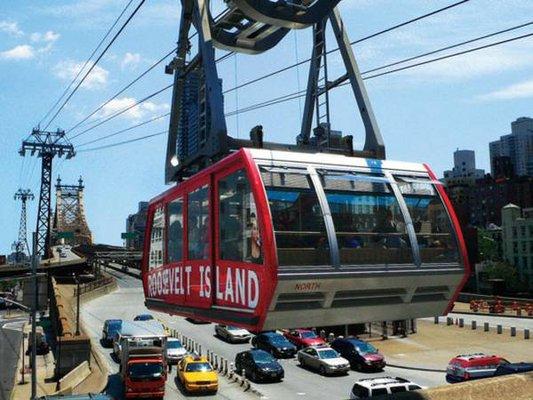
(507,272)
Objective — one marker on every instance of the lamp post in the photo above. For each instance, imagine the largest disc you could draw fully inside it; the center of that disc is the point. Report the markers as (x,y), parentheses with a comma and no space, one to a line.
(77,280)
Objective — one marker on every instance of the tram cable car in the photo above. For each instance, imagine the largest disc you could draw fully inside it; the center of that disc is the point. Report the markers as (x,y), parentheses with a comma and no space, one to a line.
(264,235)
(267,239)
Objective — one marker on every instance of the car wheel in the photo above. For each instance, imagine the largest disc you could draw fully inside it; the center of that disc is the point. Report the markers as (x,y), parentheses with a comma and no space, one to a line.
(358,367)
(322,370)
(254,376)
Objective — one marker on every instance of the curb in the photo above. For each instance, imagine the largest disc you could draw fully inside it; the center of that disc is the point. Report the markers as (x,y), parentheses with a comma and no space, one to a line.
(416,368)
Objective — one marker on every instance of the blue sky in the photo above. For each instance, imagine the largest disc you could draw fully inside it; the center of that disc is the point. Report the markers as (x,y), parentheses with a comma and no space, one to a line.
(424,113)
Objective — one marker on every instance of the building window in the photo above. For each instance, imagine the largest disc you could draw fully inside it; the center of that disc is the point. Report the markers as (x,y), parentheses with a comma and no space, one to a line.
(198,224)
(175,230)
(238,223)
(157,239)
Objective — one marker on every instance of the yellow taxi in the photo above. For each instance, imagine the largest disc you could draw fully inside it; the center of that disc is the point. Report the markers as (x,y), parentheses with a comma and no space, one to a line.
(197,375)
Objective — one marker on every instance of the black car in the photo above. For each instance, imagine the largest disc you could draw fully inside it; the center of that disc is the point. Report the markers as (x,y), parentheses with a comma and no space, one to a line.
(275,344)
(513,368)
(258,365)
(360,354)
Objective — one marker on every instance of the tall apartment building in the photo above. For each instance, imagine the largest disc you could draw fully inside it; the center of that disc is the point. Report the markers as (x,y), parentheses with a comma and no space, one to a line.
(136,223)
(515,149)
(517,240)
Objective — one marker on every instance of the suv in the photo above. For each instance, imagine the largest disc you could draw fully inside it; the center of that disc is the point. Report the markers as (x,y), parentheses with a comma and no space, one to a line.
(466,367)
(371,387)
(303,338)
(275,344)
(360,354)
(110,329)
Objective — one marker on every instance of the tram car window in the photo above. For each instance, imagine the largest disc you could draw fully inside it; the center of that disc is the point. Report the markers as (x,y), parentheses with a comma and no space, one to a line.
(301,236)
(238,225)
(157,239)
(435,236)
(367,218)
(198,224)
(175,230)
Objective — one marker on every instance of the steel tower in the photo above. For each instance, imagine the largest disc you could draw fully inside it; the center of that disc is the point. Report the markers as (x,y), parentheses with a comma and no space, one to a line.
(46,145)
(21,245)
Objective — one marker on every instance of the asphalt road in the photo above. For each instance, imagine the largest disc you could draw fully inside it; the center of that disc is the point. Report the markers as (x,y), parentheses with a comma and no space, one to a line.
(10,337)
(298,383)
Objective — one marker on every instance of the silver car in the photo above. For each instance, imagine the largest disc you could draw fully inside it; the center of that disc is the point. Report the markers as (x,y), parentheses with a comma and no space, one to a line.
(232,334)
(174,351)
(323,359)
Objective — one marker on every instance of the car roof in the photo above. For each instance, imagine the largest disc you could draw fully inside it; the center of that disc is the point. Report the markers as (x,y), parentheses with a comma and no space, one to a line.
(173,339)
(112,321)
(474,359)
(351,340)
(383,381)
(272,334)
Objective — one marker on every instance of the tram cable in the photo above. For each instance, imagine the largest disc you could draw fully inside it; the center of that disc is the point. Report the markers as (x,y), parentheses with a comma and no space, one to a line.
(138,78)
(301,93)
(373,35)
(86,62)
(107,146)
(295,95)
(117,34)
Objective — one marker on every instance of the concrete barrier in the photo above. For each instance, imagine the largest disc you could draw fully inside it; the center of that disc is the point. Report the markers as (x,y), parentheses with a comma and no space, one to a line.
(436,320)
(499,329)
(486,327)
(461,322)
(449,321)
(526,334)
(76,376)
(513,331)
(474,325)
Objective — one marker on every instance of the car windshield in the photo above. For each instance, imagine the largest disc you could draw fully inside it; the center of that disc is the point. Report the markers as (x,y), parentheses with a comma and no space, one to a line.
(199,367)
(326,354)
(145,371)
(278,339)
(262,357)
(174,344)
(309,335)
(144,317)
(366,348)
(233,328)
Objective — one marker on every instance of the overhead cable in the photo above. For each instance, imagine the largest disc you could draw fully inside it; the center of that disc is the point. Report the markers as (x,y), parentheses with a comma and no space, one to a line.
(123,142)
(95,62)
(86,62)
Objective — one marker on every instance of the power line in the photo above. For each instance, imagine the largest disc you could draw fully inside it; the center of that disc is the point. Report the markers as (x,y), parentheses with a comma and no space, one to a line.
(123,142)
(86,62)
(402,24)
(124,130)
(96,62)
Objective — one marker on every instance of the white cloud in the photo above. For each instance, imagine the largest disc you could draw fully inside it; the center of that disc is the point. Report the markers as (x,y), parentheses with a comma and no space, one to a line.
(67,70)
(11,28)
(130,60)
(21,52)
(144,110)
(517,91)
(47,37)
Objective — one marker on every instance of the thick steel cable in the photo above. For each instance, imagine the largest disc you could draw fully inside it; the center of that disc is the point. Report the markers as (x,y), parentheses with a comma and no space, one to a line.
(96,62)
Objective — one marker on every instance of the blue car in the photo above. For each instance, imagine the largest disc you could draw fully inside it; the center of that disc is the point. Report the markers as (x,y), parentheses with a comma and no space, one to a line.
(275,344)
(143,317)
(109,331)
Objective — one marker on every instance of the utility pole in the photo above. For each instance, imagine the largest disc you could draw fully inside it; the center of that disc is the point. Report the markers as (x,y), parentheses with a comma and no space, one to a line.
(46,145)
(21,245)
(33,362)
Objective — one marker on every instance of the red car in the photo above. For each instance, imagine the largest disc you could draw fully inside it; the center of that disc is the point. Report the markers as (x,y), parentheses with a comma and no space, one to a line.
(303,338)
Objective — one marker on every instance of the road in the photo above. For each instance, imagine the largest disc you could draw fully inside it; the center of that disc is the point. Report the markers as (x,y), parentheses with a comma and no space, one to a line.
(128,300)
(10,337)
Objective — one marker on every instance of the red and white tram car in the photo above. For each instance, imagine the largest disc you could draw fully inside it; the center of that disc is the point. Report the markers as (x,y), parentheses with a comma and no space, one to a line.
(267,239)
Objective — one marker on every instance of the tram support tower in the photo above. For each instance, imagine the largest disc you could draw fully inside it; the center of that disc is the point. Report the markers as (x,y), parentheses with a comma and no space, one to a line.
(70,213)
(21,245)
(197,132)
(46,145)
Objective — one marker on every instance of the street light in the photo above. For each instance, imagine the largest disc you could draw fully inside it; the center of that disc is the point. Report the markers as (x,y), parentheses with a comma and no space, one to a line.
(77,280)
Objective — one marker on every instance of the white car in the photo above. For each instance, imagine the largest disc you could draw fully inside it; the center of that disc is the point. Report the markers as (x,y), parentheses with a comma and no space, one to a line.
(232,334)
(174,351)
(324,359)
(371,387)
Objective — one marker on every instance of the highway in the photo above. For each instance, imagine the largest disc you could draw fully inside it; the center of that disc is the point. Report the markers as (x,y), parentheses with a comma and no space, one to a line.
(128,300)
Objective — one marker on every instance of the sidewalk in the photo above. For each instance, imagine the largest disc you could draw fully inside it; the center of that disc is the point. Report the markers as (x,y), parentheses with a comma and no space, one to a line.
(45,372)
(434,345)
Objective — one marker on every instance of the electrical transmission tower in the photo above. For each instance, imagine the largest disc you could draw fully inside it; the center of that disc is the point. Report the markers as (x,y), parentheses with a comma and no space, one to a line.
(46,145)
(70,213)
(21,245)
